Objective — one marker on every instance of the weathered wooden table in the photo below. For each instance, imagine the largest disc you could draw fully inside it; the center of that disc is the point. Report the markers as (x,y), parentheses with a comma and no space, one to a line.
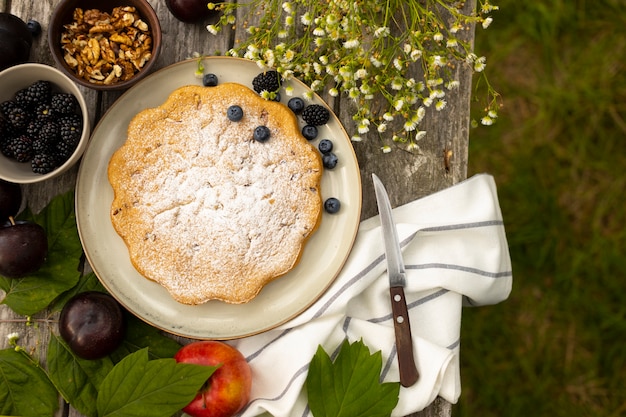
(408,175)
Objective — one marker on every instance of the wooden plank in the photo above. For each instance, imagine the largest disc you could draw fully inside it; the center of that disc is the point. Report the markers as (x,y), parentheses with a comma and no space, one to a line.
(407,175)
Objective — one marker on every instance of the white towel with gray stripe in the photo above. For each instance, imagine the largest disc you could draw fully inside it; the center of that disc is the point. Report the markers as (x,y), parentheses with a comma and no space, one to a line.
(456,254)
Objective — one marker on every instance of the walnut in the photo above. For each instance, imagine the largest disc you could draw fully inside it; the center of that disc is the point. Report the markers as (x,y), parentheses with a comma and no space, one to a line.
(105,48)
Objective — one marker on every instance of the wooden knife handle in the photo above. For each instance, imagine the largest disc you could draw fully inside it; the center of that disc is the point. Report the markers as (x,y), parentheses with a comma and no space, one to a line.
(404,341)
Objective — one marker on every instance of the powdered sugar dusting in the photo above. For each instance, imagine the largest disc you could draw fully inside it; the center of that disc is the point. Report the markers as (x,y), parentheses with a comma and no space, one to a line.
(204,209)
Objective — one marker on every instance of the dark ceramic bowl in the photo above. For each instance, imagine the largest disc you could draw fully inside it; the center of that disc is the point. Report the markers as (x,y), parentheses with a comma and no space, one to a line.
(64,14)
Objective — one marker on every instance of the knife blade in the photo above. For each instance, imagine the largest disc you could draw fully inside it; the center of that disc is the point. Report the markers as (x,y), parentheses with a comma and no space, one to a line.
(397,280)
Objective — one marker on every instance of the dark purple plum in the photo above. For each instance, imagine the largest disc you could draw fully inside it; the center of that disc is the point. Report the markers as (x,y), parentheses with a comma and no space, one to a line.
(92,324)
(189,11)
(23,248)
(10,199)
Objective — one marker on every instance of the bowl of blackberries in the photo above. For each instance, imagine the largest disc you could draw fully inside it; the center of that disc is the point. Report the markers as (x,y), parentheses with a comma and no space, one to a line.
(44,123)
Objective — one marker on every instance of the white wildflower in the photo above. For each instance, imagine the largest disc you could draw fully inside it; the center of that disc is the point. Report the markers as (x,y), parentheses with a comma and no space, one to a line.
(398,64)
(214,30)
(396,84)
(386,149)
(382,32)
(360,74)
(287,7)
(318,31)
(333,92)
(289,90)
(486,121)
(492,114)
(356,138)
(451,43)
(382,128)
(453,85)
(440,105)
(415,54)
(398,104)
(388,116)
(420,135)
(306,19)
(487,22)
(351,44)
(438,37)
(282,34)
(480,64)
(412,146)
(323,59)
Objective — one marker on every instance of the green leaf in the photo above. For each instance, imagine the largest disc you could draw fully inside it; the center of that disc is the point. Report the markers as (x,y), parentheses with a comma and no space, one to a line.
(140,335)
(87,282)
(25,389)
(137,387)
(351,385)
(76,379)
(33,293)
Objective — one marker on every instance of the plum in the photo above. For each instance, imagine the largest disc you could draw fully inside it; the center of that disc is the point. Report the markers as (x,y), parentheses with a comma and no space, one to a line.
(23,248)
(92,324)
(189,11)
(15,40)
(10,199)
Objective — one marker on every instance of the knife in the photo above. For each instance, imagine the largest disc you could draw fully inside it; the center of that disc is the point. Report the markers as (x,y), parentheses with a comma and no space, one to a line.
(397,281)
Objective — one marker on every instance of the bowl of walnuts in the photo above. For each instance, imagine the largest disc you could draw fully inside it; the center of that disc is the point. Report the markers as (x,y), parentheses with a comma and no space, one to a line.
(44,123)
(105,44)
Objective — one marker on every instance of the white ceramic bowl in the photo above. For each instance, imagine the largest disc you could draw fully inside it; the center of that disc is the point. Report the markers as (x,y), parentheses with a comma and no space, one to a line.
(21,76)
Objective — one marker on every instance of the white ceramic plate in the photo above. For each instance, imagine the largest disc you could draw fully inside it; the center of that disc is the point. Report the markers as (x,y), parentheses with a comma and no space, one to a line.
(282,299)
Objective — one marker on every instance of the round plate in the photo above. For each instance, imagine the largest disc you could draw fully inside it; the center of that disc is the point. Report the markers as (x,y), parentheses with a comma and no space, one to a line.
(280,300)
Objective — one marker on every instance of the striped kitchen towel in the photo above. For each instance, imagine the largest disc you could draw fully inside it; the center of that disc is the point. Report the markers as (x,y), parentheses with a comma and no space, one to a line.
(456,254)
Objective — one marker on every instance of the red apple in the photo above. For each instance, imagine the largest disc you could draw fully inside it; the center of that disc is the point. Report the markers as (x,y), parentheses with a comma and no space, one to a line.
(227,391)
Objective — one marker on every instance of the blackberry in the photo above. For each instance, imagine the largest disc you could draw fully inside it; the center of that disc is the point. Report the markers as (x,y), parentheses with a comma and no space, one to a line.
(266,81)
(43,163)
(44,111)
(315,115)
(33,128)
(49,132)
(64,103)
(39,92)
(22,98)
(22,148)
(19,117)
(6,106)
(70,128)
(63,150)
(41,146)
(6,146)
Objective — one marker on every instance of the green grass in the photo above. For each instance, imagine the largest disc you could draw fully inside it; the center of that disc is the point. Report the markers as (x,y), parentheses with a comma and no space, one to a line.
(556,347)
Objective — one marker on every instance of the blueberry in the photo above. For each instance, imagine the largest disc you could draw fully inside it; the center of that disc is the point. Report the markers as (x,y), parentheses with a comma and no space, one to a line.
(261,134)
(33,27)
(332,205)
(234,113)
(296,105)
(330,160)
(309,132)
(325,146)
(209,80)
